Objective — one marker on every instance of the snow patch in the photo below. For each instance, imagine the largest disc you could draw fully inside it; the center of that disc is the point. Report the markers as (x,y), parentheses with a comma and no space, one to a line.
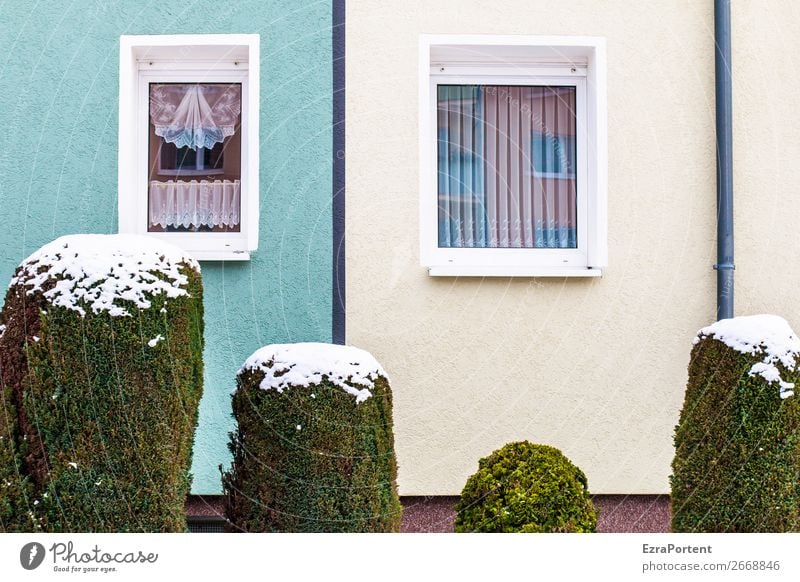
(98,271)
(154,342)
(303,364)
(767,335)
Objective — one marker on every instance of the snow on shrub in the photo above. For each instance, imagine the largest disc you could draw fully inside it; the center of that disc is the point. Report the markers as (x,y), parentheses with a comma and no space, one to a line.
(313,450)
(526,488)
(100,377)
(737,443)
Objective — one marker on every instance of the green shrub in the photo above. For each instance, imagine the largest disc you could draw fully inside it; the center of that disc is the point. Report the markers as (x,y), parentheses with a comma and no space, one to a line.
(737,458)
(313,450)
(101,367)
(15,489)
(526,488)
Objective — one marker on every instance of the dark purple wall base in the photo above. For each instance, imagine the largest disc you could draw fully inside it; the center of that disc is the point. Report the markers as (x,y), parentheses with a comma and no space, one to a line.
(618,513)
(205,507)
(428,514)
(633,513)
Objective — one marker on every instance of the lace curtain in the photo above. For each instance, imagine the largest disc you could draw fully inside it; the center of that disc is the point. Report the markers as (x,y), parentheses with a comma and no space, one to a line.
(195,115)
(210,203)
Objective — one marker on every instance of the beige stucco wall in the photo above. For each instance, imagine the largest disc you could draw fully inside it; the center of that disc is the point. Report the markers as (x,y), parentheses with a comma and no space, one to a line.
(595,367)
(767,157)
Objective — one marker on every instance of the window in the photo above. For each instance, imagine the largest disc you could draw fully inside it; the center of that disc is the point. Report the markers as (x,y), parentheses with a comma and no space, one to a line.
(188,149)
(513,156)
(193,185)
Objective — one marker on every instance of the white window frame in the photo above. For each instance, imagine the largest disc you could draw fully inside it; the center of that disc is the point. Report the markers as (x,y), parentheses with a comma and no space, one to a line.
(519,60)
(213,58)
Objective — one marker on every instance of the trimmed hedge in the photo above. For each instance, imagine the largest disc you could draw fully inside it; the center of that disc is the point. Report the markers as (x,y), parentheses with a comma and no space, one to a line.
(14,486)
(526,488)
(737,456)
(101,368)
(313,450)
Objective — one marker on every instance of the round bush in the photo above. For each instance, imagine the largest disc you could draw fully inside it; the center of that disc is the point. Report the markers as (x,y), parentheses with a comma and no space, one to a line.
(526,488)
(313,450)
(737,451)
(101,367)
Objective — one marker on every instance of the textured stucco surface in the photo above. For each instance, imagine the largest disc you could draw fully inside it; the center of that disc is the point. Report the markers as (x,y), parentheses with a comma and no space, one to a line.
(595,367)
(59,67)
(766,149)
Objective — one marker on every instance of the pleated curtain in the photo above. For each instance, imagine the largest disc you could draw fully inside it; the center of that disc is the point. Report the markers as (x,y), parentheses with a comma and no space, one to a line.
(506,166)
(184,204)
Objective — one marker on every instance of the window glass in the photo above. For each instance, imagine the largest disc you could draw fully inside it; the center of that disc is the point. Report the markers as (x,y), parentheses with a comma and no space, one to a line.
(194,162)
(506,166)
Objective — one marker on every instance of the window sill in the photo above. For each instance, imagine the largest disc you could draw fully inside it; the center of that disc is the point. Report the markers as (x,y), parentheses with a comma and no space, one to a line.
(511,271)
(220,255)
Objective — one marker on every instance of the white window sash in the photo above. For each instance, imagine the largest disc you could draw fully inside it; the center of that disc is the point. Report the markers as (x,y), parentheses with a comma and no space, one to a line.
(572,258)
(199,242)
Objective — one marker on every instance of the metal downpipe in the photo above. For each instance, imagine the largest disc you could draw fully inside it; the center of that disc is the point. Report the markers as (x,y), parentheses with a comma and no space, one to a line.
(724,106)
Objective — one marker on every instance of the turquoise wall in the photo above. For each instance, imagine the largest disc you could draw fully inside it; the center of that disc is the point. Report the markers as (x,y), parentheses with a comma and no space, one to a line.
(59,71)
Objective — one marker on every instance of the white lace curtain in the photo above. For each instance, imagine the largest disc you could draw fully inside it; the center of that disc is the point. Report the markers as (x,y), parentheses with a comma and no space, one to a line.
(195,115)
(205,203)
